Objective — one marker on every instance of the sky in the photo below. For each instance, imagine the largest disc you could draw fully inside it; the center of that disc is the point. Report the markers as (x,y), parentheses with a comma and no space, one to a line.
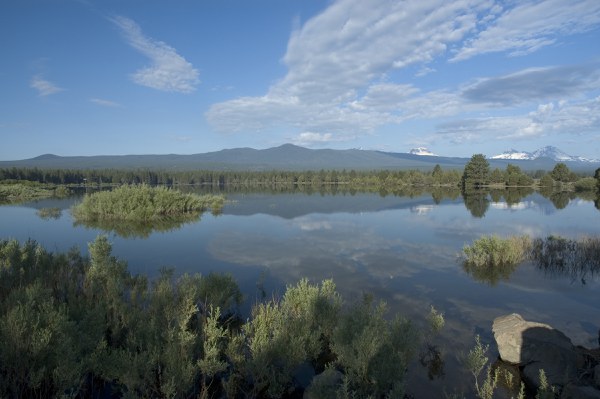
(115,77)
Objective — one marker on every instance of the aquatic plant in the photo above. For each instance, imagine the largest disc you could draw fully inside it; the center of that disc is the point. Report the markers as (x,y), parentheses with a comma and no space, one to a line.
(142,203)
(492,258)
(49,213)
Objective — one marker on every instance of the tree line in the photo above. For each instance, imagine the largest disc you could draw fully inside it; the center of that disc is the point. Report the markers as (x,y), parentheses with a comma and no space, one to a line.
(476,173)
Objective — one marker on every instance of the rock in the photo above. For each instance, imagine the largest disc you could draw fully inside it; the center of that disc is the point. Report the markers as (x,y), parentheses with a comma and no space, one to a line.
(580,392)
(536,346)
(324,385)
(597,375)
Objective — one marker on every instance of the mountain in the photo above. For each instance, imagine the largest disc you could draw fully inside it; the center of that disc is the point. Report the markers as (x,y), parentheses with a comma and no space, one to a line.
(288,157)
(513,154)
(549,152)
(422,151)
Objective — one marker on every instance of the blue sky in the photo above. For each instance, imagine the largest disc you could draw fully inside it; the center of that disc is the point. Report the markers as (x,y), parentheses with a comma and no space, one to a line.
(84,77)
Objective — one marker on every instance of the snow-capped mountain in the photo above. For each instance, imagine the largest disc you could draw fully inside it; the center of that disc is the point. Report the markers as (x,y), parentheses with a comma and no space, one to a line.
(545,152)
(513,154)
(422,151)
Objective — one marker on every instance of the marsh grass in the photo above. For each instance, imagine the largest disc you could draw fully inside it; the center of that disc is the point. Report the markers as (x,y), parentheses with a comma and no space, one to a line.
(49,213)
(577,259)
(143,203)
(492,258)
(18,192)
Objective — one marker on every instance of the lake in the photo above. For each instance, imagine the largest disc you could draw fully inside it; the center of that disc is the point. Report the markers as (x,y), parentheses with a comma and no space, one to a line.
(401,249)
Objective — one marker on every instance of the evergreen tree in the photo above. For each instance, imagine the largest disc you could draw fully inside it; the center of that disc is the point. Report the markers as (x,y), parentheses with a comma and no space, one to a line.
(561,173)
(476,172)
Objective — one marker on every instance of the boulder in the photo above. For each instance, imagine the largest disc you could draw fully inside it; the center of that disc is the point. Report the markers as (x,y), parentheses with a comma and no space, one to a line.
(536,346)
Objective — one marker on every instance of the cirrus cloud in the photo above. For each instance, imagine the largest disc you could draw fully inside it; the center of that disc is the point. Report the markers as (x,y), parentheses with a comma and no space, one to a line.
(43,86)
(168,71)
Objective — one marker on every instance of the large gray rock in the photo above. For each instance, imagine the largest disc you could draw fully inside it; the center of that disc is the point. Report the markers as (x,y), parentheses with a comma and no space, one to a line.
(536,346)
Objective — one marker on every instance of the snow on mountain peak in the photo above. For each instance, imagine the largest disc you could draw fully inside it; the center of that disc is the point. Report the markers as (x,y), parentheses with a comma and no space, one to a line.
(544,152)
(513,154)
(422,151)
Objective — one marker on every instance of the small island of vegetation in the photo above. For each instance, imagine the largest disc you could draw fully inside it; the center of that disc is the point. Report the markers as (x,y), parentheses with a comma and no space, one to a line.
(143,203)
(138,210)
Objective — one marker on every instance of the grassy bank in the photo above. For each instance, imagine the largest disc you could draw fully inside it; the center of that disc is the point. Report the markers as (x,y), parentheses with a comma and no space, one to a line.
(21,192)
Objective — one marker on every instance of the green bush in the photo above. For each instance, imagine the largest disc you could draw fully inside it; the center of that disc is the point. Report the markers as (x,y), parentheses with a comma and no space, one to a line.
(495,251)
(373,351)
(79,326)
(10,193)
(142,203)
(585,184)
(491,258)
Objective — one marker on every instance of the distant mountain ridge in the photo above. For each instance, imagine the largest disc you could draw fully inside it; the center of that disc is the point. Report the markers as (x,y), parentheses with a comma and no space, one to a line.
(549,151)
(287,157)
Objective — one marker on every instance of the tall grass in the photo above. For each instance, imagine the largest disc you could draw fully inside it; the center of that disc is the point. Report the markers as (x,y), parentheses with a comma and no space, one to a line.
(143,203)
(578,259)
(10,193)
(496,251)
(492,258)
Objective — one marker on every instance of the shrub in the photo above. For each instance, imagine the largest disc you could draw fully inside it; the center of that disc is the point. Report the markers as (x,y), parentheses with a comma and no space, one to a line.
(373,351)
(142,203)
(494,251)
(85,327)
(491,258)
(585,184)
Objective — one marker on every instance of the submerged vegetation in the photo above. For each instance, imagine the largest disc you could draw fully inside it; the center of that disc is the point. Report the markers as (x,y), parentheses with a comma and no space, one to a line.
(492,258)
(49,213)
(81,327)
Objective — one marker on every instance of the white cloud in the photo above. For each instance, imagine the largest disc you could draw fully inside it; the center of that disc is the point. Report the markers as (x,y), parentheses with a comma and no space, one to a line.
(168,71)
(343,52)
(105,103)
(531,25)
(341,63)
(578,118)
(43,86)
(535,84)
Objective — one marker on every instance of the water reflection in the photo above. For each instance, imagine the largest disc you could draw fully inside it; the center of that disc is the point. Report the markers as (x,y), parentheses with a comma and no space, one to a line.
(577,260)
(477,202)
(560,199)
(488,274)
(138,228)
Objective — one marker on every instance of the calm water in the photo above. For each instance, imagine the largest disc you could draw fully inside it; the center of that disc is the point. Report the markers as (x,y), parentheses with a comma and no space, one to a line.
(403,250)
